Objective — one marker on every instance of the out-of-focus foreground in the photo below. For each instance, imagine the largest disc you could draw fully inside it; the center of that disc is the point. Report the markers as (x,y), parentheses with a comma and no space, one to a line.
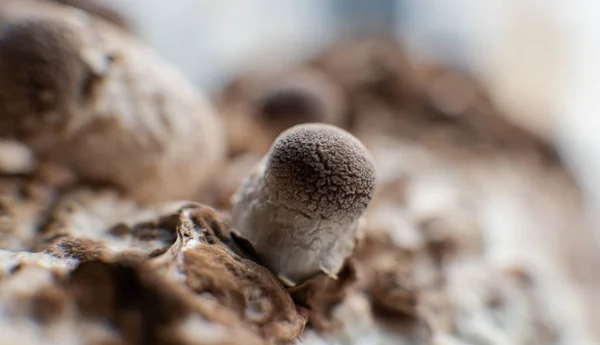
(159,183)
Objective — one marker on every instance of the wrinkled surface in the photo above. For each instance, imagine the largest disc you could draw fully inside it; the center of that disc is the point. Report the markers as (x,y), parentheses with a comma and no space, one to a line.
(320,171)
(476,235)
(158,281)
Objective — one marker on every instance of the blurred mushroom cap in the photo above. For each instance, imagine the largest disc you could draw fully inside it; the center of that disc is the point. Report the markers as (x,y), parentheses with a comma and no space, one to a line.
(41,74)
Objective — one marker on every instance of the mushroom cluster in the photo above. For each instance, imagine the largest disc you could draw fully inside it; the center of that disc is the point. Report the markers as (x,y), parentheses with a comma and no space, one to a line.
(361,197)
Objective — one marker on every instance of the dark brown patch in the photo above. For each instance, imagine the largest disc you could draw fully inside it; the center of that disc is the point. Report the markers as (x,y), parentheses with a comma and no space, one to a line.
(77,248)
(120,230)
(129,296)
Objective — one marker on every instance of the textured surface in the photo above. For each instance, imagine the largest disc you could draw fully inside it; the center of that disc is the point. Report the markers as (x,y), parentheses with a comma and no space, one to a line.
(320,171)
(476,233)
(300,207)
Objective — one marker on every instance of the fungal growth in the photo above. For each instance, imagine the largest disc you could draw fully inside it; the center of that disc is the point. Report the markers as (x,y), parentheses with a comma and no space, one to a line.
(86,95)
(304,96)
(267,105)
(41,76)
(301,207)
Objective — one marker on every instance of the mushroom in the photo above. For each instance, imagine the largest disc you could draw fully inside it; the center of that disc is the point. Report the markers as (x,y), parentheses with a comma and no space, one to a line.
(84,94)
(300,209)
(41,74)
(258,107)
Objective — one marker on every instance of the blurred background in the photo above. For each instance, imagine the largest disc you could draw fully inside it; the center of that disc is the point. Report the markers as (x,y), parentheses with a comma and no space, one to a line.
(538,58)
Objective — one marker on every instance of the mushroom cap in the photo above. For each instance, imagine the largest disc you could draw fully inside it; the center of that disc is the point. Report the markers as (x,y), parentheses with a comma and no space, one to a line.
(41,73)
(290,105)
(320,171)
(294,97)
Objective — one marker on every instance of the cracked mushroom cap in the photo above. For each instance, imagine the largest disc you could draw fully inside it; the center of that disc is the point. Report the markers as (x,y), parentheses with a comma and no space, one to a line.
(40,73)
(321,171)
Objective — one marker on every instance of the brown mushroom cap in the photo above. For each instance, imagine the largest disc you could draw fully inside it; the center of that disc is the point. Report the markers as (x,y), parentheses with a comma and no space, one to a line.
(299,96)
(40,74)
(321,171)
(290,106)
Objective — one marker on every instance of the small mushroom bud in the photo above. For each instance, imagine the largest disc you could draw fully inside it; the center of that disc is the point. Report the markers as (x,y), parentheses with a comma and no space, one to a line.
(301,206)
(259,107)
(88,96)
(305,96)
